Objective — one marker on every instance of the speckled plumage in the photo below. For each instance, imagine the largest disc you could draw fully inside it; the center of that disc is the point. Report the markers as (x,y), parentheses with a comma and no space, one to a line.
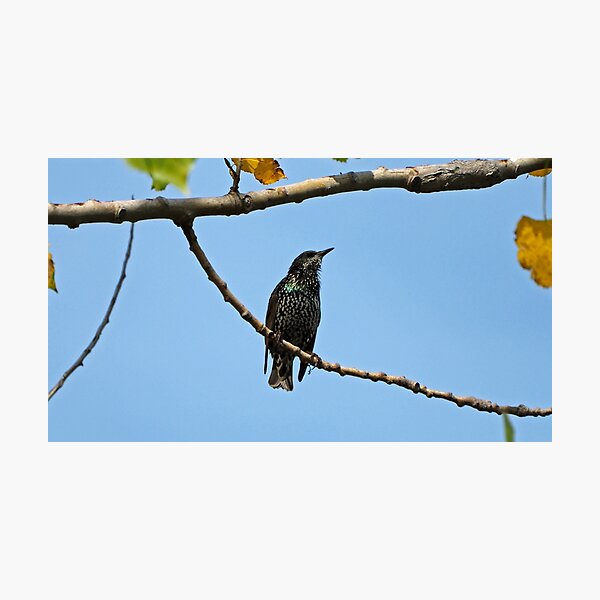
(294,312)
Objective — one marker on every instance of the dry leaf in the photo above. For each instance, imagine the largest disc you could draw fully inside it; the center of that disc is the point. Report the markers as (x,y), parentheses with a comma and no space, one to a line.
(51,282)
(534,242)
(265,170)
(540,172)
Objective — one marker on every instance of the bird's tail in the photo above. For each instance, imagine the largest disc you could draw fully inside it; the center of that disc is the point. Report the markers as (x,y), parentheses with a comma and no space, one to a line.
(282,373)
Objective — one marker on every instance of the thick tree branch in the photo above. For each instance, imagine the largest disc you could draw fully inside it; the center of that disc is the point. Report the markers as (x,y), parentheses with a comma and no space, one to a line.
(103,324)
(457,175)
(312,359)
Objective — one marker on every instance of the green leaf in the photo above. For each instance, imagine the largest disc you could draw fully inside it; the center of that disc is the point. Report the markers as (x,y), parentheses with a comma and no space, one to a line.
(165,171)
(509,430)
(341,159)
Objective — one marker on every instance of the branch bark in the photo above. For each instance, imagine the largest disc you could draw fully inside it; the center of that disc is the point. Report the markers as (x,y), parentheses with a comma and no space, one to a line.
(456,175)
(477,403)
(103,324)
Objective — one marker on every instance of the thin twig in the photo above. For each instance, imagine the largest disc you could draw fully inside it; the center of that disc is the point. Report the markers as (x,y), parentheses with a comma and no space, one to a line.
(231,171)
(236,179)
(235,175)
(103,324)
(314,360)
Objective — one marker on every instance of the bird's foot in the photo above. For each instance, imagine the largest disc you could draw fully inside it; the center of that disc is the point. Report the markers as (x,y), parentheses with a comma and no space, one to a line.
(276,338)
(319,361)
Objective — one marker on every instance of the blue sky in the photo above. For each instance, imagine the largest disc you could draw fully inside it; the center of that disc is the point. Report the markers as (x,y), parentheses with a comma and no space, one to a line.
(426,286)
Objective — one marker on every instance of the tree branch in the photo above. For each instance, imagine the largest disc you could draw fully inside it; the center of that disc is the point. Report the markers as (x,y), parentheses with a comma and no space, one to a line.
(314,360)
(456,175)
(103,324)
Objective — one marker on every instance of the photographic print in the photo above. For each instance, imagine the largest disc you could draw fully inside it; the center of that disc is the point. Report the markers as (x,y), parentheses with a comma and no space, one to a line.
(300,300)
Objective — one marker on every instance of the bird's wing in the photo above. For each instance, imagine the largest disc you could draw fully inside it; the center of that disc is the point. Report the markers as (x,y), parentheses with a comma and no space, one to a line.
(270,320)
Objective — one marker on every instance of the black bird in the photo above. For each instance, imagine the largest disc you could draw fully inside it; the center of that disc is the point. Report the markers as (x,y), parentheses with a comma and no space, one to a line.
(294,313)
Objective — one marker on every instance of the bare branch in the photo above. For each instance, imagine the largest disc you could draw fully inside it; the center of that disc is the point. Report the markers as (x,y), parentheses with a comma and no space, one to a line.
(314,360)
(103,324)
(457,175)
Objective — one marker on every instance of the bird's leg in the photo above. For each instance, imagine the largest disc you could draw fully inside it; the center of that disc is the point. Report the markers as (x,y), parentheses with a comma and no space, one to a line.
(276,338)
(319,360)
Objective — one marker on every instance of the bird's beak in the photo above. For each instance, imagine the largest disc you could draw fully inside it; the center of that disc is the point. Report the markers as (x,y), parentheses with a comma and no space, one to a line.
(324,252)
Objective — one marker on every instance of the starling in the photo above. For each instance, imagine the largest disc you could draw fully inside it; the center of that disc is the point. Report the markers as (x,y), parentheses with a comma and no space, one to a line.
(294,313)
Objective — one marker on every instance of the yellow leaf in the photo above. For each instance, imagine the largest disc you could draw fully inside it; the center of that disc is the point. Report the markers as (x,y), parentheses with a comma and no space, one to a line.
(540,172)
(51,282)
(265,170)
(534,242)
